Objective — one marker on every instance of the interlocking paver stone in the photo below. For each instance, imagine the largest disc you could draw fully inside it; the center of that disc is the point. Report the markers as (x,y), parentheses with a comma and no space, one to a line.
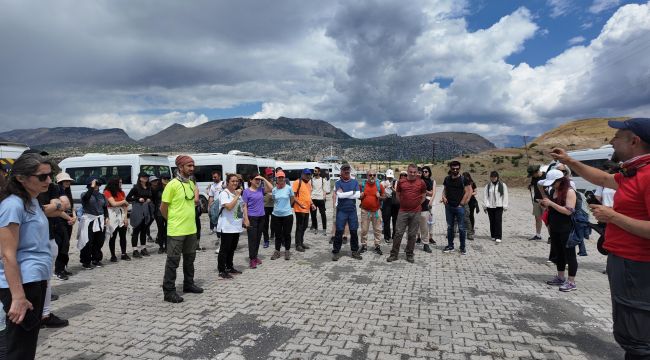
(490,304)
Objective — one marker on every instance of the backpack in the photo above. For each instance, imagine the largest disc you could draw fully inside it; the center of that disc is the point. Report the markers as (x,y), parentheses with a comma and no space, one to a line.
(363,185)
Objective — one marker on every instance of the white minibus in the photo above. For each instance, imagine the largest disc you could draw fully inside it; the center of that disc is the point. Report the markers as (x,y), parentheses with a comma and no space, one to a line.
(593,157)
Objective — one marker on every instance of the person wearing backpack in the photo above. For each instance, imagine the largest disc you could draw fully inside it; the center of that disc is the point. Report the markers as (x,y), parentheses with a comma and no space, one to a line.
(372,192)
(456,193)
(320,188)
(561,204)
(495,202)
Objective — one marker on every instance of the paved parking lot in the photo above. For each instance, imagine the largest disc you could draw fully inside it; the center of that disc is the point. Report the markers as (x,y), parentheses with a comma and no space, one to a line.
(490,304)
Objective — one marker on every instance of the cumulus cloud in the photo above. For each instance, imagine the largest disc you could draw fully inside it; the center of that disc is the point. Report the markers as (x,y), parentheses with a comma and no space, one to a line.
(371,67)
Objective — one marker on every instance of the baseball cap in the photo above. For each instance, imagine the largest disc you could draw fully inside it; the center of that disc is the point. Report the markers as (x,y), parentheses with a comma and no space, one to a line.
(306,171)
(153,178)
(389,173)
(639,126)
(268,171)
(552,176)
(279,173)
(346,167)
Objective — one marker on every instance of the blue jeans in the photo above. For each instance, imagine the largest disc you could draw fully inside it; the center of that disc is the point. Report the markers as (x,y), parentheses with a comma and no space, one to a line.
(349,217)
(457,215)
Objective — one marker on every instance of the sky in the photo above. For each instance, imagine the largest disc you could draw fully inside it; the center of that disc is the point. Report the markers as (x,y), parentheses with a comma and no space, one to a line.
(369,67)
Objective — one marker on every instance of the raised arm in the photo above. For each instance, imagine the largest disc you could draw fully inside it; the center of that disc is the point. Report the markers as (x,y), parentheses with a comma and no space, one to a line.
(589,173)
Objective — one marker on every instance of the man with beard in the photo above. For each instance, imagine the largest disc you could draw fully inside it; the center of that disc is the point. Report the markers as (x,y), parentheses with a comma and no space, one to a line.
(627,236)
(178,208)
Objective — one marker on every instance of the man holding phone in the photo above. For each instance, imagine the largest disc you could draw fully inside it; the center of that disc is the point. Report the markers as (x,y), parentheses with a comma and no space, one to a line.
(627,237)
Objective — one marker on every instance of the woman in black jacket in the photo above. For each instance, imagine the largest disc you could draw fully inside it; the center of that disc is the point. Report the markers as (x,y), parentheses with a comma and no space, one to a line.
(140,198)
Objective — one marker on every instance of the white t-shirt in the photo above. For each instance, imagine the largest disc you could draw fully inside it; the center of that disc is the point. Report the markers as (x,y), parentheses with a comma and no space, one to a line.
(230,221)
(607,195)
(319,188)
(215,189)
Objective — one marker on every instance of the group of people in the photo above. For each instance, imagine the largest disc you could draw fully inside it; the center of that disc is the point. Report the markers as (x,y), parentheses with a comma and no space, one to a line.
(36,219)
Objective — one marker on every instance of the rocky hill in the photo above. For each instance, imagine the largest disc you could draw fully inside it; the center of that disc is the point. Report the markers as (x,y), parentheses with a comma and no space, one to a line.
(61,137)
(578,134)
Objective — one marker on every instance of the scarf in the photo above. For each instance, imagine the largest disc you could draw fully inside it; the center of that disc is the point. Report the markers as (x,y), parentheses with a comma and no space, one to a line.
(630,167)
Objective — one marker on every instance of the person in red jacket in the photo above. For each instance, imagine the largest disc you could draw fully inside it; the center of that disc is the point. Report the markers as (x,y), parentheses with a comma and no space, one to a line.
(372,192)
(627,236)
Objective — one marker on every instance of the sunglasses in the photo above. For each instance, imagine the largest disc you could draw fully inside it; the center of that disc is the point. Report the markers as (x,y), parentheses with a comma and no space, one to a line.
(42,177)
(455,169)
(371,175)
(426,171)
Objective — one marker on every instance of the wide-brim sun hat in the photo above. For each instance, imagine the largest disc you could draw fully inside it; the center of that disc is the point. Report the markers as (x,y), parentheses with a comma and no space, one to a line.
(63,177)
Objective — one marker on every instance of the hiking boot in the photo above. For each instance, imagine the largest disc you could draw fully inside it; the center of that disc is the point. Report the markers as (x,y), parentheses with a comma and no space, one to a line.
(299,248)
(378,250)
(233,271)
(364,248)
(276,255)
(448,249)
(113,258)
(53,321)
(125,257)
(173,297)
(568,286)
(61,275)
(463,252)
(426,248)
(192,289)
(266,244)
(336,256)
(391,258)
(356,255)
(144,252)
(224,275)
(556,281)
(136,254)
(287,255)
(252,264)
(410,258)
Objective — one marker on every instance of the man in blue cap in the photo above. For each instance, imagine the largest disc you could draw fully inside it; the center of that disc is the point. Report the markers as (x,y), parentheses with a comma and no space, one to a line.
(627,237)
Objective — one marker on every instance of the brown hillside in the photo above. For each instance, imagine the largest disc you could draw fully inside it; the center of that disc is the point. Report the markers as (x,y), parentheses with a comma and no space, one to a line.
(578,134)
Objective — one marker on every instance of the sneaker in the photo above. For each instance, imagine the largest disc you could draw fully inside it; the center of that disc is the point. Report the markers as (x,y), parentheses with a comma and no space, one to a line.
(426,248)
(67,272)
(258,261)
(144,252)
(391,258)
(410,258)
(113,258)
(192,289)
(216,251)
(448,249)
(463,252)
(364,248)
(336,256)
(568,286)
(378,250)
(252,264)
(276,255)
(234,271)
(535,237)
(287,255)
(224,275)
(173,297)
(356,255)
(300,248)
(498,241)
(136,254)
(54,321)
(87,266)
(266,244)
(97,264)
(125,257)
(61,275)
(556,281)
(431,241)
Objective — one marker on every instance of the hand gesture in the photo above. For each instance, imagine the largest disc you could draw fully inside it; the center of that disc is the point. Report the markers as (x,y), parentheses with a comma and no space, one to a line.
(238,192)
(93,184)
(545,202)
(18,309)
(602,213)
(559,154)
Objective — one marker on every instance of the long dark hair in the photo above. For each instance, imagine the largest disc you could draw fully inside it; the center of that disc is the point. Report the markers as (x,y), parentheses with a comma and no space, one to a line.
(426,167)
(67,191)
(113,186)
(562,190)
(251,178)
(468,178)
(25,165)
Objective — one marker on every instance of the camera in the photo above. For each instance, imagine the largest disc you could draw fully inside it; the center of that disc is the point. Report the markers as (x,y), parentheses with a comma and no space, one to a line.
(591,198)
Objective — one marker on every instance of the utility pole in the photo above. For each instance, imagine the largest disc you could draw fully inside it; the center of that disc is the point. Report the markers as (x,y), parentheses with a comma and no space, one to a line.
(526,149)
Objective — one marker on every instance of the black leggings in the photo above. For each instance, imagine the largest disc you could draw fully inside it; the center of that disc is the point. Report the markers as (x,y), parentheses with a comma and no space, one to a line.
(227,251)
(20,343)
(302,221)
(320,206)
(254,232)
(563,254)
(111,242)
(282,226)
(267,223)
(139,231)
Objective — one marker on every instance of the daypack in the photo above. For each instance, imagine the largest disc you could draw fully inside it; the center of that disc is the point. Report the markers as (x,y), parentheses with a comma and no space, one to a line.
(580,220)
(363,185)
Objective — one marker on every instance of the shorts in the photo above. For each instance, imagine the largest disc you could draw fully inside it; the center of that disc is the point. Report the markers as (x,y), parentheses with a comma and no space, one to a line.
(537,209)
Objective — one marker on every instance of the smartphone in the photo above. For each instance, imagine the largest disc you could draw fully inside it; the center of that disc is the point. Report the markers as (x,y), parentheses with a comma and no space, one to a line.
(591,198)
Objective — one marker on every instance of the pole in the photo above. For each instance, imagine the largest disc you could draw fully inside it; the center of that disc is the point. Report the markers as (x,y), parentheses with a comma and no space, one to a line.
(526,149)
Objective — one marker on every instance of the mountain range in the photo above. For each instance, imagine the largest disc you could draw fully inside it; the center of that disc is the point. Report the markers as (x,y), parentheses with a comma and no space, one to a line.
(282,138)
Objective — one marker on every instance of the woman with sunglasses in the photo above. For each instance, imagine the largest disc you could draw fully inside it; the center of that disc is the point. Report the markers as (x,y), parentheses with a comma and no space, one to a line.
(426,218)
(253,202)
(229,225)
(26,256)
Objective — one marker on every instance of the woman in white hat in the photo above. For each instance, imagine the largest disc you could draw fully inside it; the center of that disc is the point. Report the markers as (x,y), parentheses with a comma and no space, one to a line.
(63,228)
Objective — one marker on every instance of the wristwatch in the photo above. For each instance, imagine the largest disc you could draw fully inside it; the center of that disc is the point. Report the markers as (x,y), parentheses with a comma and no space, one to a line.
(59,207)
